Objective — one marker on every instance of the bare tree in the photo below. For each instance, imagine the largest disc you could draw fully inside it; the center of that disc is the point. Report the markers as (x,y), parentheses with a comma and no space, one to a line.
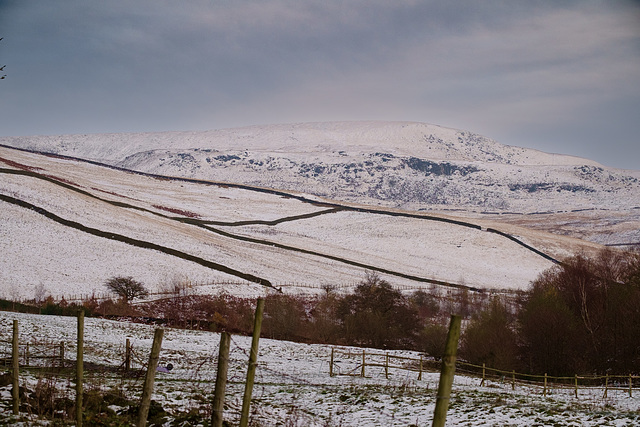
(127,288)
(40,293)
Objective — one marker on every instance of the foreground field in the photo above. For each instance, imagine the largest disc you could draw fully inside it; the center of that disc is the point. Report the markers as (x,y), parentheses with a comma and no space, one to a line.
(293,386)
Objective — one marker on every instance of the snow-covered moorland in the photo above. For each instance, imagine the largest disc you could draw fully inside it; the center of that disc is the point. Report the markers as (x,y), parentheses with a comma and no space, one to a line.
(418,204)
(67,226)
(293,386)
(406,165)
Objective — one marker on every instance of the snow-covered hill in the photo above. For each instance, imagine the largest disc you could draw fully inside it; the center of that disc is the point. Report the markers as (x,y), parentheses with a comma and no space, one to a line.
(406,165)
(66,226)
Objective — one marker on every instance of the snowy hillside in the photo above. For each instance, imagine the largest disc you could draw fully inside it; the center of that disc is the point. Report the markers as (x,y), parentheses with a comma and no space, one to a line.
(66,226)
(411,166)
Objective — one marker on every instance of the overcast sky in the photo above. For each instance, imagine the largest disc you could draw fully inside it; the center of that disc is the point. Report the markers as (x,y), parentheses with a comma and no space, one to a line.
(559,76)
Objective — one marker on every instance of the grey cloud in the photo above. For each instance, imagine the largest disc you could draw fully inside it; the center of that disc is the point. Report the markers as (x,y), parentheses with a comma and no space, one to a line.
(508,69)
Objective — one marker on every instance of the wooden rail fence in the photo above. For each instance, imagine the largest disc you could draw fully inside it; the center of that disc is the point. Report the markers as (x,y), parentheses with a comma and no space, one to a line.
(353,362)
(35,354)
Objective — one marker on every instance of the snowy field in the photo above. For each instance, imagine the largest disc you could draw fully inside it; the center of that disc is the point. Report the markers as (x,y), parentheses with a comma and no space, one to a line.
(311,245)
(293,386)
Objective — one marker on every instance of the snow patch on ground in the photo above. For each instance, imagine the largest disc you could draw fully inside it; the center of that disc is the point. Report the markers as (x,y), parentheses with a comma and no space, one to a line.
(293,384)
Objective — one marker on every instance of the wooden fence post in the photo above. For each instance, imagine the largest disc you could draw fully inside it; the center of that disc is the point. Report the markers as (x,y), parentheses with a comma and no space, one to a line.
(544,390)
(606,386)
(483,374)
(386,366)
(331,362)
(15,370)
(630,387)
(576,384)
(253,357)
(420,371)
(513,380)
(364,355)
(62,354)
(447,373)
(221,380)
(26,355)
(79,368)
(127,356)
(145,402)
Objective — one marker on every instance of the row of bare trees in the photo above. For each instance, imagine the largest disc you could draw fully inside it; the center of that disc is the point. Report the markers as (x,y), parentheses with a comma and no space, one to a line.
(374,315)
(580,316)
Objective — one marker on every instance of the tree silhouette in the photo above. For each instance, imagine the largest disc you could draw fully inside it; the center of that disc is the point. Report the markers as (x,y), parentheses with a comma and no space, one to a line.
(127,288)
(377,315)
(491,338)
(583,315)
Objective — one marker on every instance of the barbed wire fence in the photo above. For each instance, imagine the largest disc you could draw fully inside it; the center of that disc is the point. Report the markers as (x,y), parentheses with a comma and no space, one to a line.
(122,366)
(199,380)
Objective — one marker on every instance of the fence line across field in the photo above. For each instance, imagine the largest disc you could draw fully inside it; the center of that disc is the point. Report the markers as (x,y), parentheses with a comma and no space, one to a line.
(436,290)
(359,361)
(343,361)
(349,362)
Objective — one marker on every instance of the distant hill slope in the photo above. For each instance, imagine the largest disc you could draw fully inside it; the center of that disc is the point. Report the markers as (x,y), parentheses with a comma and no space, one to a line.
(412,166)
(68,225)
